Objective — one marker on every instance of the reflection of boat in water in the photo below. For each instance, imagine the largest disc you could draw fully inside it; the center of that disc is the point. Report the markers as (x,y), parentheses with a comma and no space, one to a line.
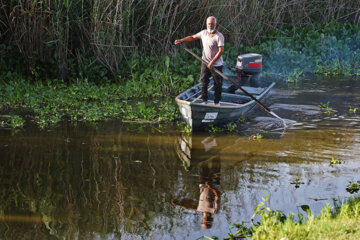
(193,150)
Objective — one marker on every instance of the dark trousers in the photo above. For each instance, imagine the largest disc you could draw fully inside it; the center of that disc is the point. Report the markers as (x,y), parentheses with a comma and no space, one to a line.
(205,79)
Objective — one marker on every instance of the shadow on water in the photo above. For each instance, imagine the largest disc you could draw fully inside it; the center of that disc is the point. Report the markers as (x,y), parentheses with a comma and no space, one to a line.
(123,181)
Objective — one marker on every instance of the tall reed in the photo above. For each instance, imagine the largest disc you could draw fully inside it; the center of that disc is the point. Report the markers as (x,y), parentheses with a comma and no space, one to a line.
(111,30)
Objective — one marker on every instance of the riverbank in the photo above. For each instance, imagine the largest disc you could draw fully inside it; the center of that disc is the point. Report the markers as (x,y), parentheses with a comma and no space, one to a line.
(148,84)
(340,222)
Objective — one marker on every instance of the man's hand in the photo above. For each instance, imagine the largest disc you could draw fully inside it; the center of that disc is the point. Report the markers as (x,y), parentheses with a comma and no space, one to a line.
(178,41)
(217,56)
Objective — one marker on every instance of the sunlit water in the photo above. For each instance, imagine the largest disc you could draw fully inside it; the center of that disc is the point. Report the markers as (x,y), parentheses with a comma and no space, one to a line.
(121,181)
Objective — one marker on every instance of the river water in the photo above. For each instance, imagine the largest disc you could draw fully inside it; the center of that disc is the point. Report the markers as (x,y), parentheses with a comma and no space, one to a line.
(134,181)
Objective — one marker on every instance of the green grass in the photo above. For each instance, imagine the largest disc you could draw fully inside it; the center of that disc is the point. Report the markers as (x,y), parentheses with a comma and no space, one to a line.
(339,222)
(342,225)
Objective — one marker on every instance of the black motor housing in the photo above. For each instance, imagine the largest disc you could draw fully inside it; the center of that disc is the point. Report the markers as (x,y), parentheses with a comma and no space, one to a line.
(249,66)
(249,63)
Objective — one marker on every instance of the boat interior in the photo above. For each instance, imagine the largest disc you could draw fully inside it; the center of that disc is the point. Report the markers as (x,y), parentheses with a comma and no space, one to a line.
(231,95)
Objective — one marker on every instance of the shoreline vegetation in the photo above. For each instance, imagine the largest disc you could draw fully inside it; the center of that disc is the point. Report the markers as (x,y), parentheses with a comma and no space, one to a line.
(148,85)
(338,222)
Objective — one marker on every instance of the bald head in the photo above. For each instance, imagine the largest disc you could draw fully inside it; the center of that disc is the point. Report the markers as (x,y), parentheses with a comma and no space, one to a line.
(211,24)
(211,19)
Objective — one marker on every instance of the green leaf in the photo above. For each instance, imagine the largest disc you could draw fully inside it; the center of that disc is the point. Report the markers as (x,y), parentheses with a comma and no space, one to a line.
(167,61)
(306,208)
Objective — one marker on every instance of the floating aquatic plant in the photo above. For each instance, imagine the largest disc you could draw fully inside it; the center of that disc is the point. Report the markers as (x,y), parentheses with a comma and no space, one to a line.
(297,182)
(334,161)
(231,127)
(213,129)
(352,110)
(330,112)
(258,136)
(242,118)
(184,127)
(324,105)
(353,187)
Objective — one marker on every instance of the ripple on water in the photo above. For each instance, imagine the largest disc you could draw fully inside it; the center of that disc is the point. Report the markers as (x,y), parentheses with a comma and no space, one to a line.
(311,126)
(304,109)
(316,120)
(296,124)
(282,154)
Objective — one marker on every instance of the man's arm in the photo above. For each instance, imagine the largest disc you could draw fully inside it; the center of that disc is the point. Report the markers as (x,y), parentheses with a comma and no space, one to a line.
(217,56)
(187,39)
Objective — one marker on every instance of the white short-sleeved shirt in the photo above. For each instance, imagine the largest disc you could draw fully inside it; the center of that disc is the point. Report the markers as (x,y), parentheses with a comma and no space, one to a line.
(208,202)
(211,46)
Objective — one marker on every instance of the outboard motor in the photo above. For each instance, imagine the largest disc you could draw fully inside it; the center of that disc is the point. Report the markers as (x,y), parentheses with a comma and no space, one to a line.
(249,67)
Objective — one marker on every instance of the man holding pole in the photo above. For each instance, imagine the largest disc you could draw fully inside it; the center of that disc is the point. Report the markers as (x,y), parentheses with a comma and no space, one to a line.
(213,48)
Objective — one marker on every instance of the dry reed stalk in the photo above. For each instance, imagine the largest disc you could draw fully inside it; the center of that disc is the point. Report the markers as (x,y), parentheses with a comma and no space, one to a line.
(112,30)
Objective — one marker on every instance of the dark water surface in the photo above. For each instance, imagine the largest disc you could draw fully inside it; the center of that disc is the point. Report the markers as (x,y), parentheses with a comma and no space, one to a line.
(121,181)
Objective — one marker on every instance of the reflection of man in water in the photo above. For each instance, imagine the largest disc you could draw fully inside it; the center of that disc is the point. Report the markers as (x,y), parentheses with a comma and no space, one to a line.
(209,199)
(208,204)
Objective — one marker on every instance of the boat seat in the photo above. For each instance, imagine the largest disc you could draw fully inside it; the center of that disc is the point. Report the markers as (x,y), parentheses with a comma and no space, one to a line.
(250,90)
(229,104)
(231,98)
(226,88)
(221,103)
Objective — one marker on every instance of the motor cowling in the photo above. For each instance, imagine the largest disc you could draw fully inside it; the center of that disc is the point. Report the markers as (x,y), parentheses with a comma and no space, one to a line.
(249,63)
(249,67)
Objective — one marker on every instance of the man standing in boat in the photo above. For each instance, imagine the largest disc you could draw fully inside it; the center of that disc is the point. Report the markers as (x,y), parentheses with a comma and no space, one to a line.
(213,48)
